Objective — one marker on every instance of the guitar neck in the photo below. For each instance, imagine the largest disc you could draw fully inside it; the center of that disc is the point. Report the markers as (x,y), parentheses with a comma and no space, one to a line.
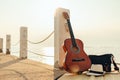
(71,33)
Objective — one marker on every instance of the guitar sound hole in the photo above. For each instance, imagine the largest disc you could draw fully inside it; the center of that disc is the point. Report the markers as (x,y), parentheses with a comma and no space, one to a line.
(75,49)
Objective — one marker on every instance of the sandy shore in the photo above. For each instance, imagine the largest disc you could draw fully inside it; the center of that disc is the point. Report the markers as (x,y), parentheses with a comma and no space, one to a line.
(13,68)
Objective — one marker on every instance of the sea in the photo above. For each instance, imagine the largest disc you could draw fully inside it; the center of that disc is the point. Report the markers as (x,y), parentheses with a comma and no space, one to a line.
(45,54)
(37,53)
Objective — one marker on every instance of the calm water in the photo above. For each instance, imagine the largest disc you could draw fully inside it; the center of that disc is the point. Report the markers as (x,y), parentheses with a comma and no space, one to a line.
(48,55)
(35,54)
(49,51)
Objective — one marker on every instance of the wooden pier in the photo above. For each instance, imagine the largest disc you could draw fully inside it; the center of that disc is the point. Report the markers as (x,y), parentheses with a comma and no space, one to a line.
(13,68)
(108,76)
(63,75)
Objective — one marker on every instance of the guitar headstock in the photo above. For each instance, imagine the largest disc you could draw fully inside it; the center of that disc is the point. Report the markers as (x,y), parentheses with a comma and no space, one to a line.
(65,15)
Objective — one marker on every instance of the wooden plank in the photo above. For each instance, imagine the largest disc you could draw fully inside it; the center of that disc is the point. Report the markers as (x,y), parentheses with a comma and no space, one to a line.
(58,73)
(107,76)
(67,76)
(13,68)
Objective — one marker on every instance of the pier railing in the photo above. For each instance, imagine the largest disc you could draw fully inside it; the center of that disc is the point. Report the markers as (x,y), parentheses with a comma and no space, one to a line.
(22,44)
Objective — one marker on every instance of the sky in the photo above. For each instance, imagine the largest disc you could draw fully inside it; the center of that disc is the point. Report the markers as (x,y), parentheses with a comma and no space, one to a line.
(95,22)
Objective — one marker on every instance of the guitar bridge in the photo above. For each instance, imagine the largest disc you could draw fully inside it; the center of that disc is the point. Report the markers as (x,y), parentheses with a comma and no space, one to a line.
(78,59)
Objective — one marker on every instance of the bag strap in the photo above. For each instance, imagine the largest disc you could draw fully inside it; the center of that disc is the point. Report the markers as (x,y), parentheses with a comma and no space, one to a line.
(115,65)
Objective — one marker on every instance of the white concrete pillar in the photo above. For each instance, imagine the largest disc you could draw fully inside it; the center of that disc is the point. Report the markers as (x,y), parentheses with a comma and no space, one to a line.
(23,42)
(61,33)
(1,45)
(8,41)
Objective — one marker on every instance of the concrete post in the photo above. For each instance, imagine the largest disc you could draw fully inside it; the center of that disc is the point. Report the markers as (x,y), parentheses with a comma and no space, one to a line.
(23,42)
(61,33)
(8,40)
(1,45)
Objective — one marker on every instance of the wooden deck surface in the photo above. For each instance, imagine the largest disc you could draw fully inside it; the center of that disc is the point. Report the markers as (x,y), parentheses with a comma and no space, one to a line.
(63,75)
(108,76)
(13,68)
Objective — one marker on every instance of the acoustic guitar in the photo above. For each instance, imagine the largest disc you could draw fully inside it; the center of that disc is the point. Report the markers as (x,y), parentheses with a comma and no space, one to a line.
(76,59)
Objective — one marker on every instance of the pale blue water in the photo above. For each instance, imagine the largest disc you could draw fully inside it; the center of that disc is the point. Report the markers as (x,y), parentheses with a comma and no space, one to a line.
(48,55)
(49,51)
(35,54)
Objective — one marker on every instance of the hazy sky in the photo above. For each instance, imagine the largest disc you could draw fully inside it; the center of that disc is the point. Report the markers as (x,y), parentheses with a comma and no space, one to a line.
(93,21)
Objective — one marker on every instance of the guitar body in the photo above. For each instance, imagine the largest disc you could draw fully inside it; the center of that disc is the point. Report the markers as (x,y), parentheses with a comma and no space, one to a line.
(76,59)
